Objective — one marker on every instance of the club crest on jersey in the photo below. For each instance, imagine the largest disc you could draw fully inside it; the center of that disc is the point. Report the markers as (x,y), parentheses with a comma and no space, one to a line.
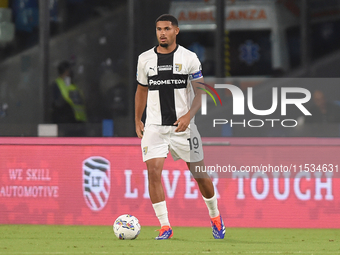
(96,182)
(145,150)
(178,67)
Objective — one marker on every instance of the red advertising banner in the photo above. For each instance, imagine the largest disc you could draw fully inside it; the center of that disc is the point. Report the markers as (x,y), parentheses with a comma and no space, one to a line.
(91,181)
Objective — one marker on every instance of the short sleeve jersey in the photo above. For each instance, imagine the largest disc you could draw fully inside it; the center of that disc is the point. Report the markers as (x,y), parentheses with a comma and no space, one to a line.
(168,77)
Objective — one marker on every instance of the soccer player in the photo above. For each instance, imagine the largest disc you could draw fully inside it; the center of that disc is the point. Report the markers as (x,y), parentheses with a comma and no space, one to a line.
(168,77)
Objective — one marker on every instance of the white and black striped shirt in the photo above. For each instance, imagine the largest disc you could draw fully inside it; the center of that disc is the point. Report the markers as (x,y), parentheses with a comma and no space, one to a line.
(168,79)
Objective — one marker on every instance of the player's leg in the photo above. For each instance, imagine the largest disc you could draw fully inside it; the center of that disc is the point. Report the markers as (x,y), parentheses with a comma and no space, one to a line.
(188,146)
(203,180)
(206,187)
(156,192)
(209,196)
(155,167)
(155,149)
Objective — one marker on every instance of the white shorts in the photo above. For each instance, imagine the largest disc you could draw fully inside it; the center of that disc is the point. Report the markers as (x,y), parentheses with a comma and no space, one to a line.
(158,140)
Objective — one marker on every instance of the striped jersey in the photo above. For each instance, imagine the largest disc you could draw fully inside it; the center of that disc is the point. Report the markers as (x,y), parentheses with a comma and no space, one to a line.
(168,77)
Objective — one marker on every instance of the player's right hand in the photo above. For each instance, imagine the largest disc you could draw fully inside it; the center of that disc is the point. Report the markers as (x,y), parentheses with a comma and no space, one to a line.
(139,129)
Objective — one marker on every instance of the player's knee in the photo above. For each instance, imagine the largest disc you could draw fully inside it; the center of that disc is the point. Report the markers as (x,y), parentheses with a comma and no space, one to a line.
(203,181)
(154,173)
(200,175)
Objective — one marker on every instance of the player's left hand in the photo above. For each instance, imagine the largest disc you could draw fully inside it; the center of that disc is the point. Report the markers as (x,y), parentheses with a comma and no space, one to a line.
(183,123)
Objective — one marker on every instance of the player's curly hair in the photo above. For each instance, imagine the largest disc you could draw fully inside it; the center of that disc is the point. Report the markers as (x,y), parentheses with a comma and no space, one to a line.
(167,17)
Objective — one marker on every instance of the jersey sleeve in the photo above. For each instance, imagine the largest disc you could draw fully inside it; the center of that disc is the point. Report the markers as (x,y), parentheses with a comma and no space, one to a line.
(195,68)
(141,75)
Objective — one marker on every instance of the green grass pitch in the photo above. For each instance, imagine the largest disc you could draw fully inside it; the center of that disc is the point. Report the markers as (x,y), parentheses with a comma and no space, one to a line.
(60,240)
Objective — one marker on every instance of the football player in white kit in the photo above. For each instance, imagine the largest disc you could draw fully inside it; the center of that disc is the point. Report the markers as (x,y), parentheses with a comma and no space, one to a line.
(168,77)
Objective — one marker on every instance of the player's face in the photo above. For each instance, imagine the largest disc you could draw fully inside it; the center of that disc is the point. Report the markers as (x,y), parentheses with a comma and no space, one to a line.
(166,33)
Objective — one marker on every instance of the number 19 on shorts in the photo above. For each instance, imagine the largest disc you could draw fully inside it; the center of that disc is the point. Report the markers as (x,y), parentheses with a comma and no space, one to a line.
(193,143)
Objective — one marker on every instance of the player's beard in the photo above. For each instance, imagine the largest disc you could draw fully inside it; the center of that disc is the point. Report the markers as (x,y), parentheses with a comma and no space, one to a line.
(164,45)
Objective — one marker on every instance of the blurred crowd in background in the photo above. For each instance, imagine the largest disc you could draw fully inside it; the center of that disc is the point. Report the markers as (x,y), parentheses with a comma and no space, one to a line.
(263,40)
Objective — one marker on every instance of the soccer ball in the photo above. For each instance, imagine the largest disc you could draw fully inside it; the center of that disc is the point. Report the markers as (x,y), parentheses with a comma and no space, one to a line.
(126,227)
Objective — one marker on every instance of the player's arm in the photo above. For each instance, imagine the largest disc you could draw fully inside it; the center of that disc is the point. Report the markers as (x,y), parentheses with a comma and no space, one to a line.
(196,103)
(140,104)
(184,121)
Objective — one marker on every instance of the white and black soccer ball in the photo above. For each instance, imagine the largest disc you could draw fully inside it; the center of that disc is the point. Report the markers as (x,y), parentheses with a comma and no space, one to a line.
(126,227)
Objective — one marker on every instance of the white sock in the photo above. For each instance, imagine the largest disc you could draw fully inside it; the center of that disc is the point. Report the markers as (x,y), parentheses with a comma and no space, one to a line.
(161,213)
(212,206)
